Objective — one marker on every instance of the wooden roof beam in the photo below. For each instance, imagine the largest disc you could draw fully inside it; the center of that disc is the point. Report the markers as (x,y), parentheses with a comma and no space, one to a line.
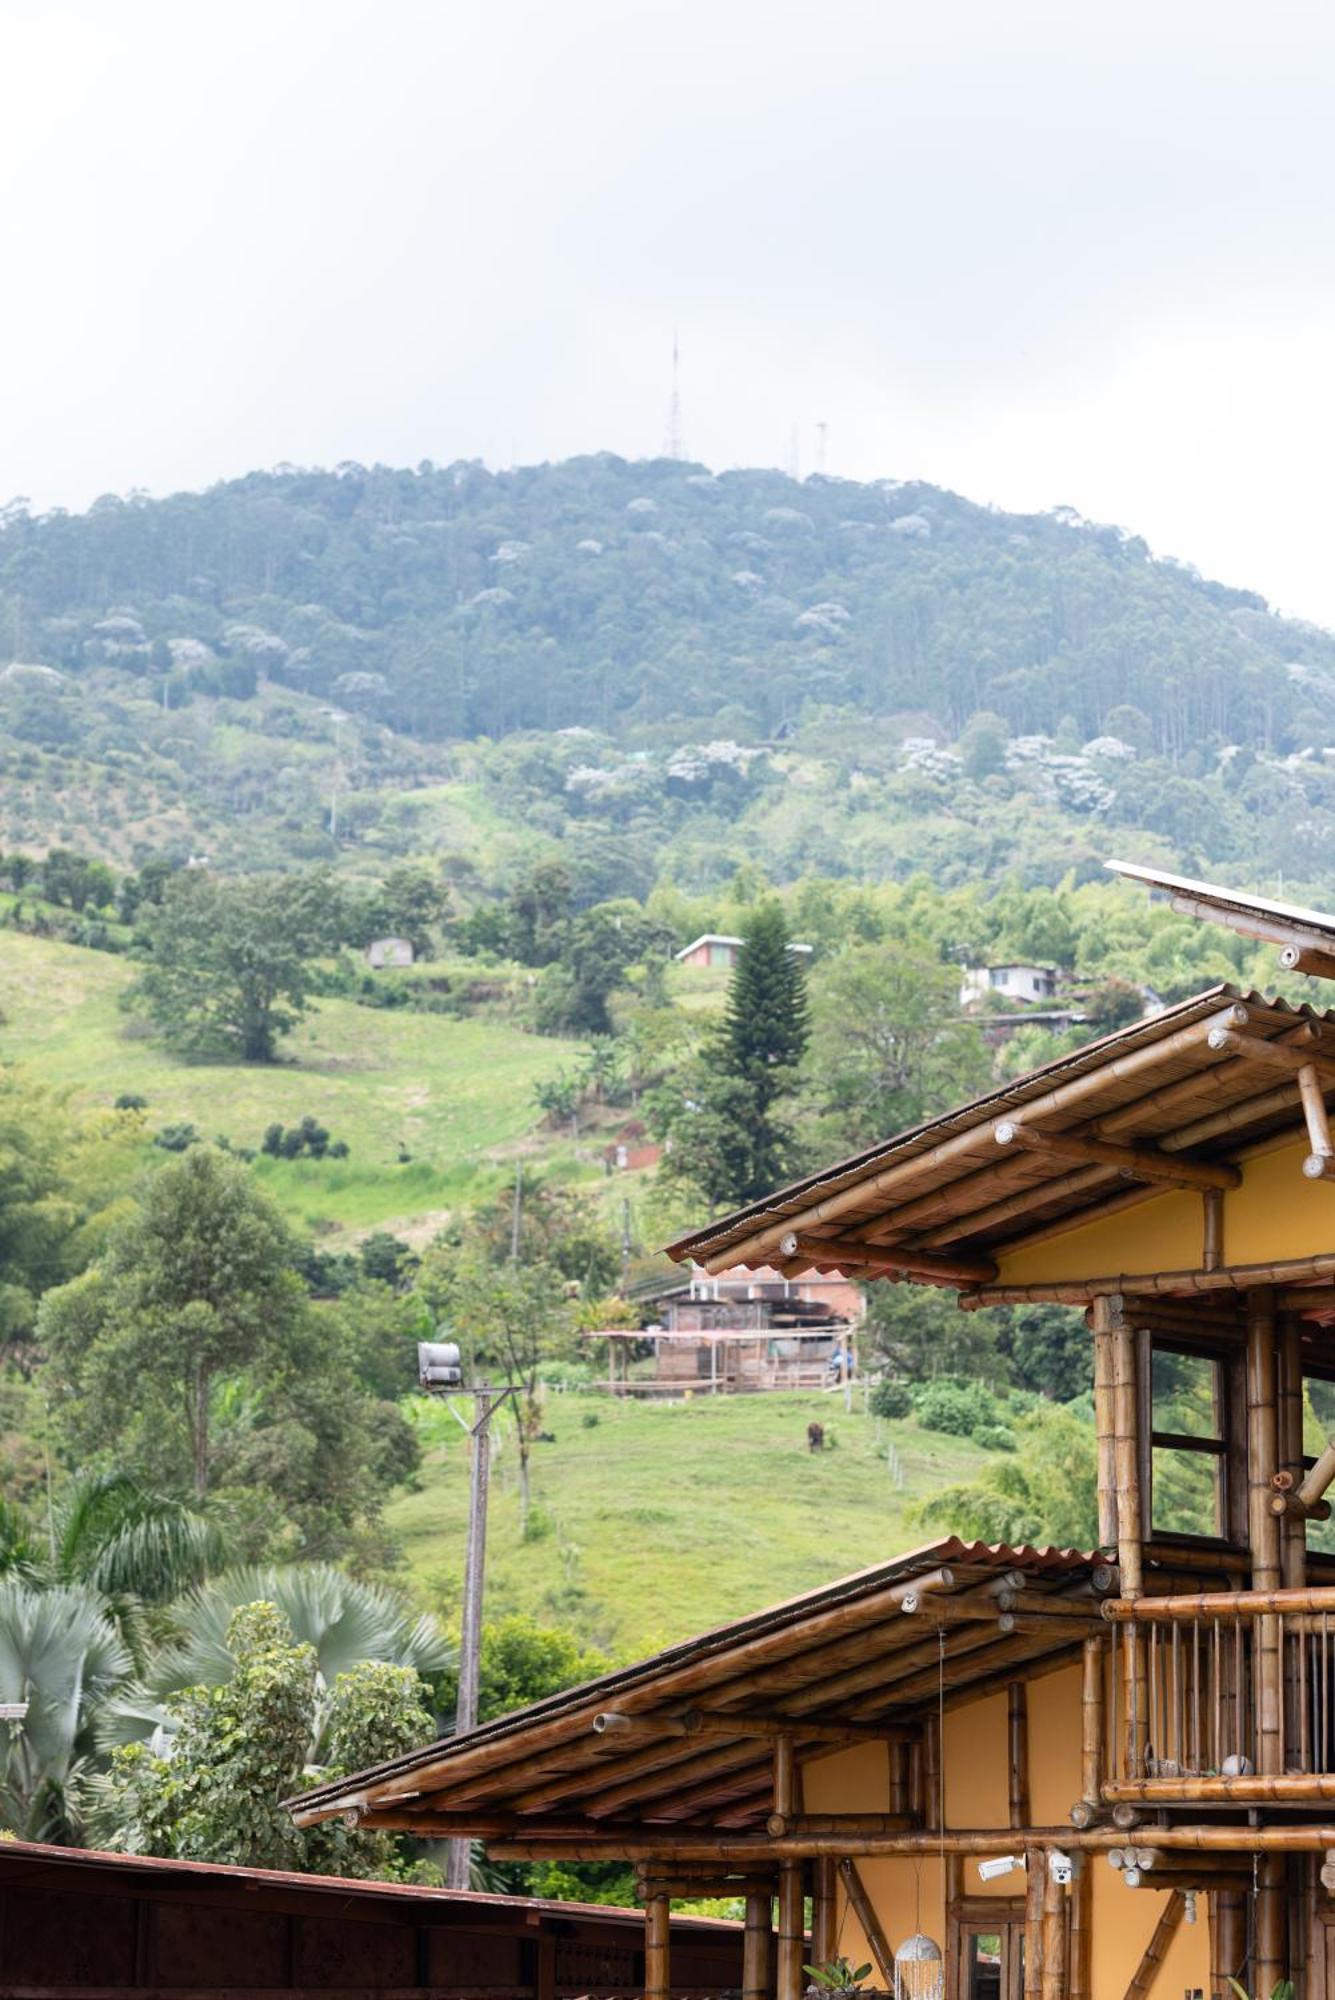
(620,1729)
(1142,1163)
(854,1253)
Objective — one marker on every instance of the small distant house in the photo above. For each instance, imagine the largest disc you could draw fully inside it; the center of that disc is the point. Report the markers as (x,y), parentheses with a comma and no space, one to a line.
(1022,985)
(740,1330)
(715,948)
(386,952)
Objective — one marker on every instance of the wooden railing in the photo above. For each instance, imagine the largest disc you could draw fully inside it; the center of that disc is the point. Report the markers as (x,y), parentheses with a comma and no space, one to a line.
(1222,1695)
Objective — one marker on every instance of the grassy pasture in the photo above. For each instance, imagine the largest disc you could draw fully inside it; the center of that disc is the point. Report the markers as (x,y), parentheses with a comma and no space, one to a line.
(660,1520)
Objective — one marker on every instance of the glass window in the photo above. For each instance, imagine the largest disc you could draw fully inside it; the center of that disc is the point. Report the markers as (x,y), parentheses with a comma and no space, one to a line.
(983,1966)
(1185,1394)
(1187,1460)
(1186,1492)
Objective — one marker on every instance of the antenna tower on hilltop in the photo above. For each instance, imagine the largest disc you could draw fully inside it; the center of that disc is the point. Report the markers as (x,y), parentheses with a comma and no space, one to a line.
(675,446)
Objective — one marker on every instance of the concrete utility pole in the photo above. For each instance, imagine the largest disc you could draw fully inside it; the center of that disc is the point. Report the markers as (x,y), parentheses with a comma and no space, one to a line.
(486,1402)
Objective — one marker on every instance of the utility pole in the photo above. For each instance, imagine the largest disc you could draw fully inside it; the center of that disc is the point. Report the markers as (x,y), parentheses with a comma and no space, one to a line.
(626,1244)
(486,1402)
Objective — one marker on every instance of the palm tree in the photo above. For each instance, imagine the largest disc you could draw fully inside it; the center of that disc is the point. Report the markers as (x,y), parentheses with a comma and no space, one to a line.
(60,1652)
(344,1618)
(124,1541)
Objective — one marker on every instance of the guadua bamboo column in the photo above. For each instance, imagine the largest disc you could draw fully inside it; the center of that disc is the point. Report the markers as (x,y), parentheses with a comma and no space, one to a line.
(790,1982)
(657,1969)
(1263,1528)
(758,1948)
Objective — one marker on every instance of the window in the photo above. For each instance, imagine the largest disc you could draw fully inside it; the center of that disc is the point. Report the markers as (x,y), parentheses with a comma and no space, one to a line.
(1318,1426)
(1188,1401)
(989,1960)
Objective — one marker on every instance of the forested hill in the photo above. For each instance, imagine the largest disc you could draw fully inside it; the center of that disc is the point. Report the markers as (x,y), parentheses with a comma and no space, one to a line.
(455,602)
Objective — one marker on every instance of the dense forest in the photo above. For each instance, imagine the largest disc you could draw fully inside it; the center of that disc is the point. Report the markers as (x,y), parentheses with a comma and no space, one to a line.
(458,602)
(656,674)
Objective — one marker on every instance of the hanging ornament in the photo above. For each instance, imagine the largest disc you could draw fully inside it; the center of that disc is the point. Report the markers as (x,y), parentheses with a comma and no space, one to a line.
(920,1972)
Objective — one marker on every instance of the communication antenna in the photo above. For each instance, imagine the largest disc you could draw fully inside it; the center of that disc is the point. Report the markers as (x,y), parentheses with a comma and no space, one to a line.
(675,446)
(794,466)
(822,431)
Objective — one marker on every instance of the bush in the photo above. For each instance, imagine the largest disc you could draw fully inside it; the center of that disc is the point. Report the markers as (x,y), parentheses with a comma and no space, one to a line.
(995,1437)
(309,1137)
(957,1408)
(130,1100)
(176,1138)
(890,1399)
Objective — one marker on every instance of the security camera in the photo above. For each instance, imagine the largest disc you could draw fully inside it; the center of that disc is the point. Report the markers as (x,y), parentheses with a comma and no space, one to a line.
(1001,1864)
(1061,1866)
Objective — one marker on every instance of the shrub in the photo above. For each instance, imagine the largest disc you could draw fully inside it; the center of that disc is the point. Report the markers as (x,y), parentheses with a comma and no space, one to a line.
(957,1408)
(130,1100)
(995,1437)
(890,1399)
(176,1138)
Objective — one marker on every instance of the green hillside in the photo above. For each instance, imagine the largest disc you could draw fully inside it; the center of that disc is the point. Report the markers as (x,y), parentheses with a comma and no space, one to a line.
(656,1521)
(445,1093)
(654,672)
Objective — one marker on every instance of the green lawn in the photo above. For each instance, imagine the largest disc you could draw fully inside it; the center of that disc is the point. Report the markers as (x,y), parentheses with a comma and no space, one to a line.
(661,1520)
(445,1092)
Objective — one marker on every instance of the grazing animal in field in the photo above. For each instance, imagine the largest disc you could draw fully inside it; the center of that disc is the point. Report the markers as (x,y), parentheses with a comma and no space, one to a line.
(815,1437)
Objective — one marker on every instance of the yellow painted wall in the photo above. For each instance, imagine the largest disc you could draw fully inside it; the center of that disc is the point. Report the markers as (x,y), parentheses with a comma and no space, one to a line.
(1276,1214)
(906,1892)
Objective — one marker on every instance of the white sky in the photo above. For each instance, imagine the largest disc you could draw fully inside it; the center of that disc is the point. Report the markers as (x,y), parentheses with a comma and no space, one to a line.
(1042,253)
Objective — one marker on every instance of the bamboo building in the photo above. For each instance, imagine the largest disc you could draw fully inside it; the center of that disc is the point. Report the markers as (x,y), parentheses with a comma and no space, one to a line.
(1021,1773)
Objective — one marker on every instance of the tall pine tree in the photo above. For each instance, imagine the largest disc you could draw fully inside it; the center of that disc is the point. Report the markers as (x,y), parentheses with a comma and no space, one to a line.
(730,1138)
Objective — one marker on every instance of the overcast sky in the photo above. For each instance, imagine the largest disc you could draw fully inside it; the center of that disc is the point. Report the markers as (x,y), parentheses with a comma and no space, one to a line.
(1041,253)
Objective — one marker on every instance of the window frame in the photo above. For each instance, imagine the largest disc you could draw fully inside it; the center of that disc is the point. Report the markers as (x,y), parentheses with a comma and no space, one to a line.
(1227,1449)
(985,1914)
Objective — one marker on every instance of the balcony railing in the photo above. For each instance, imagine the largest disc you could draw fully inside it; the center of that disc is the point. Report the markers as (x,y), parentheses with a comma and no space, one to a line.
(1222,1696)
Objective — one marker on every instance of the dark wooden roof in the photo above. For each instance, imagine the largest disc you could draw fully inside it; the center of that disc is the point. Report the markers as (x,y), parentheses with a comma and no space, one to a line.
(1189,1090)
(852,1653)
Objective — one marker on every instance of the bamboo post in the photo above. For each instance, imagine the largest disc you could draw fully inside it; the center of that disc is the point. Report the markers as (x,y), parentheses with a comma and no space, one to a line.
(881,1948)
(1053,1982)
(1293,1531)
(1126,1449)
(1091,1721)
(1263,1528)
(1035,1873)
(1269,1957)
(758,1948)
(1081,1943)
(824,1923)
(1212,1247)
(790,1981)
(1104,1419)
(1170,1918)
(657,1967)
(1017,1719)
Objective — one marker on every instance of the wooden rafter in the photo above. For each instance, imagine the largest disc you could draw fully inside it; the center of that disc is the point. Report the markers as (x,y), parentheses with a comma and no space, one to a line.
(1145,1163)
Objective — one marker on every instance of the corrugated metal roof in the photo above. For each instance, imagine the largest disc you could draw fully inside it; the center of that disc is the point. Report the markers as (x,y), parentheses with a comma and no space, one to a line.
(700,1667)
(1131,1074)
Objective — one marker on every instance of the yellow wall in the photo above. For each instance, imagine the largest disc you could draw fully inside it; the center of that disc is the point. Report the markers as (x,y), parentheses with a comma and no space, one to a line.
(1276,1214)
(906,1892)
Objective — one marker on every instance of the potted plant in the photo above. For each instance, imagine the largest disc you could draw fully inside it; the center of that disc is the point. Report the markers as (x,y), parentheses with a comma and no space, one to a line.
(1283,1989)
(837,1976)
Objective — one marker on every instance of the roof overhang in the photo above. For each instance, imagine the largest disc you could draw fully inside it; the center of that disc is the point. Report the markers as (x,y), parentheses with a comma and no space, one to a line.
(1305,938)
(1179,1102)
(685,1740)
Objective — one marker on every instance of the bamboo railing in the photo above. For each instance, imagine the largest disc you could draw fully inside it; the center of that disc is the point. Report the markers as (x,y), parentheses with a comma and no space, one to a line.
(1230,1698)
